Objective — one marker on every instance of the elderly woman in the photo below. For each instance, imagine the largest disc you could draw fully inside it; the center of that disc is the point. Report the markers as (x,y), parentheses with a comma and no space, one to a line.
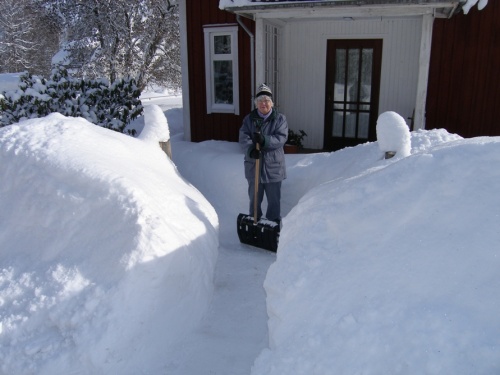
(262,135)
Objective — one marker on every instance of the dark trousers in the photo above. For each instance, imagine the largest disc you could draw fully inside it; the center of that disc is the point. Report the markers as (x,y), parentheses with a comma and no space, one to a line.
(273,195)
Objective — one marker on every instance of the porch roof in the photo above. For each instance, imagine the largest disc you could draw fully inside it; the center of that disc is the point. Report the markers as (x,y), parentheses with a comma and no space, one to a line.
(300,9)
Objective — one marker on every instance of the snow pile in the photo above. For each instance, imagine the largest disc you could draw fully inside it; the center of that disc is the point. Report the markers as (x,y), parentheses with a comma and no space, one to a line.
(385,266)
(107,255)
(393,135)
(394,269)
(155,125)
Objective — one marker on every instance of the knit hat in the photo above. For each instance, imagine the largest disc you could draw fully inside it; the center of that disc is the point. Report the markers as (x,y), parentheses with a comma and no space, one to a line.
(264,90)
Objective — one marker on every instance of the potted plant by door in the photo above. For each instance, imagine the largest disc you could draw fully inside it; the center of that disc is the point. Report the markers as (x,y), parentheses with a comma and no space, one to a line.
(294,141)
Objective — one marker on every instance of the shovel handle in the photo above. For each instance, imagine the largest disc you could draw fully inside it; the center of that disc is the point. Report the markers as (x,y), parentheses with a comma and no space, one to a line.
(256,186)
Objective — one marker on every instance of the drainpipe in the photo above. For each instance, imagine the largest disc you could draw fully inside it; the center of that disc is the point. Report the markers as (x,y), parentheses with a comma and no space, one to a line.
(252,58)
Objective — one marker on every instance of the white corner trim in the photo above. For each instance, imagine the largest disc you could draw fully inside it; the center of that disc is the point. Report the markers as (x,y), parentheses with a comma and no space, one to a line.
(186,114)
(423,71)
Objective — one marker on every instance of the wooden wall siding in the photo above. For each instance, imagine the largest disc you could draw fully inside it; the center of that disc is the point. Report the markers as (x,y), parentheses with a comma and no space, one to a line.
(464,76)
(218,126)
(304,63)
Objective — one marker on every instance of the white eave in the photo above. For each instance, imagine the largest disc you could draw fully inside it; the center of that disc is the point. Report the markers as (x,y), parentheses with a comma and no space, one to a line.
(346,9)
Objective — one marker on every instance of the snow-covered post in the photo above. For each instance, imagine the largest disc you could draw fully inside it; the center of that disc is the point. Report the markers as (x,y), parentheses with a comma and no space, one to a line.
(165,146)
(393,135)
(156,128)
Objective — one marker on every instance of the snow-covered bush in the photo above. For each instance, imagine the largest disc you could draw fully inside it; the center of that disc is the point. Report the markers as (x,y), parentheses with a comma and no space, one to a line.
(112,106)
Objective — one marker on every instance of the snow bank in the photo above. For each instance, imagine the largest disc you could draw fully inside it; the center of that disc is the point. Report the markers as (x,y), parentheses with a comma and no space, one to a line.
(106,254)
(391,270)
(156,125)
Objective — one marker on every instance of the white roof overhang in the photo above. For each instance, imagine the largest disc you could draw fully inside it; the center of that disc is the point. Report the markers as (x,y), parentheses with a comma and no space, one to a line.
(289,10)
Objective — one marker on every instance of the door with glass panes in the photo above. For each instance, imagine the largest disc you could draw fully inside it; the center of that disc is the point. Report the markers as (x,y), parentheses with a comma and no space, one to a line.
(352,92)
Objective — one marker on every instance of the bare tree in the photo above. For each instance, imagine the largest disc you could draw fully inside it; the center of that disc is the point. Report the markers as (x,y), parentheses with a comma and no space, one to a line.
(116,38)
(14,40)
(28,37)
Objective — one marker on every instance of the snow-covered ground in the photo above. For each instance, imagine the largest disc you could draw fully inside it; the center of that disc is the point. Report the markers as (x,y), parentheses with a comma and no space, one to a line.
(115,260)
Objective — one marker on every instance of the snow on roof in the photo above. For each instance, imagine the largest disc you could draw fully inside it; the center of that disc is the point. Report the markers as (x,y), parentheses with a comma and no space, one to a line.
(260,4)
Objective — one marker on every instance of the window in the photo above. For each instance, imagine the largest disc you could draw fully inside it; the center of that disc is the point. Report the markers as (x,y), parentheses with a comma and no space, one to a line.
(221,69)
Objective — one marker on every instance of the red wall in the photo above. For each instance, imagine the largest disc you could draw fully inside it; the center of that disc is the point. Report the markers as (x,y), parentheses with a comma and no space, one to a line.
(464,77)
(216,126)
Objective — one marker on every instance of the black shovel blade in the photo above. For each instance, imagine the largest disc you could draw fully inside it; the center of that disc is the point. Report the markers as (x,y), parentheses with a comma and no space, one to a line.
(261,234)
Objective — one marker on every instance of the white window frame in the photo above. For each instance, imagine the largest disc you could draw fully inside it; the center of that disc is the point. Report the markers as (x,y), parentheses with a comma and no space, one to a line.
(210,32)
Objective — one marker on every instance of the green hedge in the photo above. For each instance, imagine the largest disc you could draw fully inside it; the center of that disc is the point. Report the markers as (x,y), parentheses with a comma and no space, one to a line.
(112,106)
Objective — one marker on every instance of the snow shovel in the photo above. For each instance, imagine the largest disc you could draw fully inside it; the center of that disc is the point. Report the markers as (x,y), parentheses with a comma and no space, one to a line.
(263,234)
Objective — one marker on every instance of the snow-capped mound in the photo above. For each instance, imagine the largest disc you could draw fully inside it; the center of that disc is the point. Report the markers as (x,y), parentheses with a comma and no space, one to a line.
(106,253)
(393,270)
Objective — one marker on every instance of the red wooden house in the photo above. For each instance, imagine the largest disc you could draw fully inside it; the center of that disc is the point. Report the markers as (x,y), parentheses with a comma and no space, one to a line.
(335,65)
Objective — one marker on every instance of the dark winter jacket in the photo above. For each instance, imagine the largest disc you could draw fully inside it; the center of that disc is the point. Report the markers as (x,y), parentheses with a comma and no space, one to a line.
(275,132)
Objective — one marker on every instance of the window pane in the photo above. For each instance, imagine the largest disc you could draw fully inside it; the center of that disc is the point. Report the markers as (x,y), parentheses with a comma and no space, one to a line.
(366,76)
(223,82)
(338,124)
(350,125)
(363,126)
(222,44)
(353,75)
(339,76)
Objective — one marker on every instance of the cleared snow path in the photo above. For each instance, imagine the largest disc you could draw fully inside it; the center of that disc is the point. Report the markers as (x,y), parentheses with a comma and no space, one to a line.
(234,331)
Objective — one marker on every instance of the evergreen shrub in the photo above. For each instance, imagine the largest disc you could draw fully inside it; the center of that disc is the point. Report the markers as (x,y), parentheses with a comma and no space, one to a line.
(112,106)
